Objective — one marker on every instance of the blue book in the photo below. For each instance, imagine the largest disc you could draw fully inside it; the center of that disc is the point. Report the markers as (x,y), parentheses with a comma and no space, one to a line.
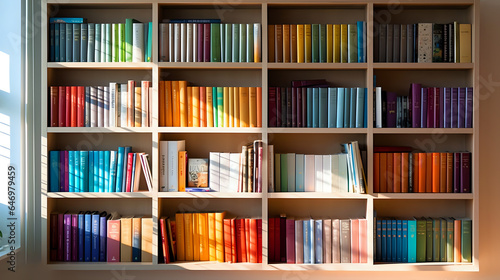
(388,243)
(150,43)
(404,241)
(57,42)
(103,226)
(96,171)
(323,107)
(76,42)
(66,20)
(340,107)
(214,107)
(394,237)
(112,171)
(365,122)
(318,241)
(120,161)
(69,42)
(461,107)
(71,171)
(399,241)
(412,241)
(84,33)
(127,151)
(469,95)
(84,174)
(95,237)
(97,39)
(384,241)
(88,237)
(315,107)
(194,21)
(322,42)
(100,169)
(332,107)
(347,107)
(423,108)
(352,110)
(360,107)
(378,241)
(243,42)
(77,171)
(62,42)
(52,44)
(132,179)
(91,42)
(136,240)
(107,155)
(236,42)
(299,173)
(220,107)
(81,237)
(309,103)
(54,177)
(91,171)
(361,41)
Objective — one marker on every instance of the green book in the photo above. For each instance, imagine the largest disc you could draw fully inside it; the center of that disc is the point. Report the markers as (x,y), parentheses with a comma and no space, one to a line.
(428,240)
(277,173)
(149,45)
(214,106)
(215,42)
(220,107)
(284,172)
(436,239)
(109,43)
(442,250)
(236,42)
(352,39)
(466,240)
(243,42)
(115,41)
(449,240)
(128,39)
(322,43)
(249,42)
(421,239)
(223,42)
(228,39)
(315,43)
(121,42)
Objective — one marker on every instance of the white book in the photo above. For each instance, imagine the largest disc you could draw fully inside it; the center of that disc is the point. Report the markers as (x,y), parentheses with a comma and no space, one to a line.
(195,43)
(188,43)
(309,172)
(100,106)
(145,110)
(378,107)
(93,107)
(214,171)
(299,241)
(335,173)
(113,93)
(327,173)
(106,106)
(318,173)
(424,42)
(97,49)
(299,172)
(123,104)
(163,162)
(171,47)
(343,173)
(257,35)
(270,168)
(114,41)
(177,42)
(224,172)
(234,171)
(183,42)
(104,51)
(174,147)
(137,42)
(290,158)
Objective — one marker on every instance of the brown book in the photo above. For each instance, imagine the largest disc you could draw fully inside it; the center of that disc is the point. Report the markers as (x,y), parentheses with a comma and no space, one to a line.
(162,99)
(244,106)
(422,168)
(442,173)
(383,172)
(176,107)
(428,173)
(286,43)
(278,43)
(183,109)
(54,106)
(449,172)
(405,164)
(126,240)
(436,167)
(180,247)
(189,100)
(131,104)
(457,240)
(376,172)
(293,43)
(270,40)
(169,104)
(390,172)
(397,173)
(147,240)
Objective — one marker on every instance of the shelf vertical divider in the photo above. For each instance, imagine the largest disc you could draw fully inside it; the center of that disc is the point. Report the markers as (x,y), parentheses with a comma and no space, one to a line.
(264,135)
(43,137)
(475,141)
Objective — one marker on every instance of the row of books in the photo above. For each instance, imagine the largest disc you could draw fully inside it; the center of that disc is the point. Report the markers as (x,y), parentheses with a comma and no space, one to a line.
(317,241)
(318,107)
(92,236)
(423,42)
(75,40)
(318,173)
(423,240)
(408,172)
(327,43)
(209,41)
(98,171)
(193,106)
(425,107)
(116,105)
(213,237)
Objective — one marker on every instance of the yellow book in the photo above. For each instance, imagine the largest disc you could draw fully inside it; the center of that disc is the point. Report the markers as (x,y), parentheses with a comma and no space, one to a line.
(209,110)
(236,106)
(300,43)
(183,103)
(286,43)
(163,103)
(190,106)
(176,107)
(168,103)
(293,43)
(219,236)
(182,158)
(179,237)
(252,101)
(196,106)
(126,240)
(244,106)
(211,237)
(138,107)
(196,236)
(225,102)
(188,236)
(465,42)
(307,43)
(329,43)
(203,230)
(147,240)
(336,43)
(343,43)
(231,107)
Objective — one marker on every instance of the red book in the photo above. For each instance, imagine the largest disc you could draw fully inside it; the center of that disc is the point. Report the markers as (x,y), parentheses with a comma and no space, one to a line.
(282,238)
(241,249)
(397,173)
(74,106)
(277,242)
(405,164)
(270,237)
(253,240)
(363,241)
(62,106)
(203,107)
(376,172)
(354,241)
(428,173)
(390,172)
(164,240)
(130,162)
(233,241)
(68,107)
(206,42)
(227,240)
(247,238)
(54,106)
(436,166)
(259,240)
(81,106)
(113,241)
(415,162)
(383,172)
(290,241)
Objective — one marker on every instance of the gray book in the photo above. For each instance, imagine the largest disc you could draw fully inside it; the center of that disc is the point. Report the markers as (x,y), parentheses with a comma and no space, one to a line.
(84,41)
(91,42)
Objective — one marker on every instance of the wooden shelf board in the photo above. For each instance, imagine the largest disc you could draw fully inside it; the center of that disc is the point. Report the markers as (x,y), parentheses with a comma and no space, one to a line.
(423,131)
(208,195)
(101,65)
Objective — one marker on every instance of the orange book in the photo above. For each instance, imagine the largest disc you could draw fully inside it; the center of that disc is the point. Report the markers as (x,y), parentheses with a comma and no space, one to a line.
(227,240)
(247,238)
(354,240)
(252,112)
(176,105)
(189,106)
(422,168)
(405,164)
(236,106)
(244,99)
(211,237)
(449,172)
(80,117)
(179,235)
(183,103)
(210,111)
(195,105)
(182,157)
(259,107)
(240,240)
(383,172)
(390,172)
(131,103)
(428,173)
(457,241)
(231,107)
(203,230)
(74,106)
(203,107)
(397,173)
(147,240)
(219,236)
(253,240)
(225,103)
(436,167)
(188,236)
(169,104)
(126,234)
(233,241)
(196,237)
(286,42)
(442,173)
(376,172)
(162,99)
(138,107)
(415,163)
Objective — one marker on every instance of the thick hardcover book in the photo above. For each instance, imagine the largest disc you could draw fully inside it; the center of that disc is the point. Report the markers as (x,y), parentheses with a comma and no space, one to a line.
(412,241)
(95,237)
(84,40)
(318,241)
(457,166)
(391,98)
(449,240)
(345,241)
(76,42)
(437,43)
(421,240)
(424,42)
(469,96)
(113,241)
(103,229)
(466,240)
(465,43)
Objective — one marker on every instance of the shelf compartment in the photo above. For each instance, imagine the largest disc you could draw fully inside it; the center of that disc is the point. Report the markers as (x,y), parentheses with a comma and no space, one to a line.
(404,207)
(98,195)
(318,208)
(226,12)
(142,206)
(210,195)
(315,13)
(322,143)
(214,77)
(101,12)
(95,77)
(432,142)
(335,78)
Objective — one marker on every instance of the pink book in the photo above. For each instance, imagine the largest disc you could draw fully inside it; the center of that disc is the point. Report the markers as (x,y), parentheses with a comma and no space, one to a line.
(113,242)
(327,241)
(128,181)
(290,241)
(363,241)
(206,42)
(336,241)
(259,240)
(200,43)
(66,172)
(354,241)
(299,241)
(62,106)
(67,237)
(68,106)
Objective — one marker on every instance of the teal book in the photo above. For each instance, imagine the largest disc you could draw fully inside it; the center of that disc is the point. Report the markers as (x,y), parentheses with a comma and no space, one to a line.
(347,107)
(54,177)
(323,107)
(466,242)
(250,48)
(149,43)
(125,157)
(76,42)
(84,174)
(107,155)
(442,242)
(412,241)
(112,171)
(120,161)
(360,107)
(332,107)
(421,240)
(215,42)
(128,39)
(322,43)
(340,107)
(383,247)
(428,240)
(404,241)
(145,32)
(291,172)
(299,173)
(109,42)
(309,110)
(352,111)
(84,41)
(228,40)
(101,171)
(235,50)
(352,41)
(91,44)
(214,107)
(97,49)
(315,107)
(284,172)
(91,171)
(450,238)
(223,42)
(69,42)
(220,107)
(399,241)
(394,240)
(61,41)
(314,42)
(388,242)
(76,171)
(318,241)
(243,42)
(96,171)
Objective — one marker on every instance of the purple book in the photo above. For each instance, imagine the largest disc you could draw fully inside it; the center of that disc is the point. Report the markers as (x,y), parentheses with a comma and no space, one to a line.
(294,106)
(456,172)
(278,107)
(206,42)
(299,107)
(465,172)
(67,237)
(66,171)
(469,93)
(304,107)
(103,232)
(441,107)
(74,239)
(437,106)
(272,107)
(62,174)
(423,106)
(289,115)
(308,83)
(454,107)
(431,103)
(200,43)
(461,107)
(290,241)
(60,237)
(415,104)
(447,107)
(391,98)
